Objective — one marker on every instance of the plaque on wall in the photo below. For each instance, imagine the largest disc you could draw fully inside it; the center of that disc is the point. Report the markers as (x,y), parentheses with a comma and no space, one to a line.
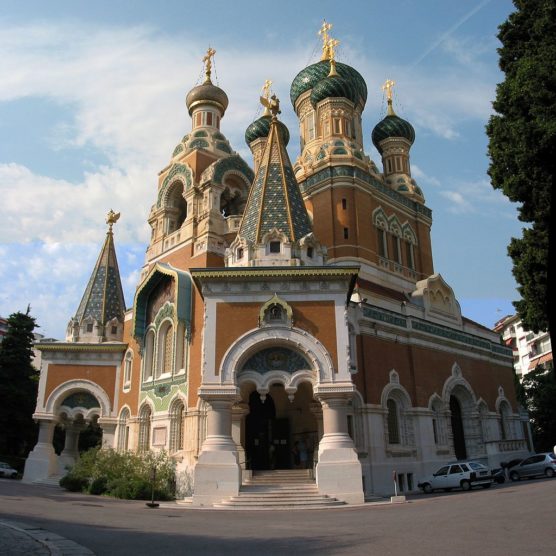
(159,436)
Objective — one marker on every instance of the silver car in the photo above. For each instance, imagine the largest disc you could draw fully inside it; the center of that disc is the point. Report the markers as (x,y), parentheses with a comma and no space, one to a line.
(7,471)
(535,466)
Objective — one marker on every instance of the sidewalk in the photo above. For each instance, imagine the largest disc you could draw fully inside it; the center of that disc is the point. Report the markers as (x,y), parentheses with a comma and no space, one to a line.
(21,539)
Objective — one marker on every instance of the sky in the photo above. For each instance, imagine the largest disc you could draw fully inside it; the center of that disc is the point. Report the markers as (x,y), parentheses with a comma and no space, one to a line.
(92,103)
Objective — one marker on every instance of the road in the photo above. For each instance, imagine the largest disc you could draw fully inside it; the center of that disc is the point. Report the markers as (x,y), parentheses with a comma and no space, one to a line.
(510,519)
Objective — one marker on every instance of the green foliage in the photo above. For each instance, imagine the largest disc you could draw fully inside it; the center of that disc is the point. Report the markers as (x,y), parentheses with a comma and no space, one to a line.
(73,483)
(124,474)
(539,388)
(18,386)
(522,149)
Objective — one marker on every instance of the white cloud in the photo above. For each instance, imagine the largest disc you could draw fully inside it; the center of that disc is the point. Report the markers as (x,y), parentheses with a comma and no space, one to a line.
(423,178)
(477,197)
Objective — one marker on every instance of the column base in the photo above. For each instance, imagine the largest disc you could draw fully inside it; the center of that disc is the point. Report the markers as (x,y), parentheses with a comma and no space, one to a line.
(339,475)
(65,462)
(41,463)
(217,476)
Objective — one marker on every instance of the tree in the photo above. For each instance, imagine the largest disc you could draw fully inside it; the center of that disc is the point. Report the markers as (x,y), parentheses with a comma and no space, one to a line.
(539,388)
(18,386)
(522,150)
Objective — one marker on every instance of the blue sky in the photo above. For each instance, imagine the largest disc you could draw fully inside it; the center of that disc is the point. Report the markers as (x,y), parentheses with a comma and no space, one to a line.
(92,104)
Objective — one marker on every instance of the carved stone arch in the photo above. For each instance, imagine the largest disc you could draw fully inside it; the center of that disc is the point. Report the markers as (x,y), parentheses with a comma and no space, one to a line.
(177,172)
(275,235)
(408,233)
(380,219)
(217,171)
(394,377)
(61,392)
(394,226)
(398,392)
(316,354)
(265,316)
(454,382)
(436,400)
(501,399)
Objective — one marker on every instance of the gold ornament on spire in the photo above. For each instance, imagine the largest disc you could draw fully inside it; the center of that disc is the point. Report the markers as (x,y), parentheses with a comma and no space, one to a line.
(332,44)
(323,32)
(387,87)
(111,218)
(271,104)
(265,97)
(207,60)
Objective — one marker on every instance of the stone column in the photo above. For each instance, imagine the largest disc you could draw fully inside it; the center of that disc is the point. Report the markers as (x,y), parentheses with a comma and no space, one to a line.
(108,426)
(217,474)
(70,453)
(42,461)
(338,471)
(239,411)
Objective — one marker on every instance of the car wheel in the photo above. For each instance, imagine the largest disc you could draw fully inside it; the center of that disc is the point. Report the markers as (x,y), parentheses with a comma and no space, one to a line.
(514,476)
(465,485)
(549,472)
(427,488)
(487,485)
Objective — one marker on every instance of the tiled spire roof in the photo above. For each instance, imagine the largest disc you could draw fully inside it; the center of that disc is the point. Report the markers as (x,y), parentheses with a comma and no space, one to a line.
(275,199)
(103,299)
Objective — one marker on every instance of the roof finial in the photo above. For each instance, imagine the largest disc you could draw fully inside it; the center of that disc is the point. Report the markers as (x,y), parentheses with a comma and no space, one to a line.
(111,218)
(207,59)
(388,86)
(332,44)
(265,97)
(323,32)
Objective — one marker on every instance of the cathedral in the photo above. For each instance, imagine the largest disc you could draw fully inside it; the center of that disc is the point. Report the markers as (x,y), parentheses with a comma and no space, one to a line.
(288,315)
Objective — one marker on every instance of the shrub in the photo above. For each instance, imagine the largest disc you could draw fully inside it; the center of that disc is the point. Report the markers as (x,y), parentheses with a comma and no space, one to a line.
(123,474)
(73,483)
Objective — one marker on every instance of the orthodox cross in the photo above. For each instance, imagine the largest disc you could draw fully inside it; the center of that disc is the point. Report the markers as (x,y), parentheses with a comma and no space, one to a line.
(207,59)
(323,32)
(266,96)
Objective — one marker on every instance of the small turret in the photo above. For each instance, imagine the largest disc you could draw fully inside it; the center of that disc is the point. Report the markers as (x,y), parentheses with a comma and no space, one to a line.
(393,137)
(100,315)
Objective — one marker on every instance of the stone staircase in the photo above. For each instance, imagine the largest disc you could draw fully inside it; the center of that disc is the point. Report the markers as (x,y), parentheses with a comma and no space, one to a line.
(52,481)
(280,489)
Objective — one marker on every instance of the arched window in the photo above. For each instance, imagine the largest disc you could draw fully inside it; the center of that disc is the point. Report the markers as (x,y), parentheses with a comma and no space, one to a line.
(176,207)
(144,429)
(165,350)
(505,427)
(128,363)
(149,356)
(123,430)
(177,413)
(393,422)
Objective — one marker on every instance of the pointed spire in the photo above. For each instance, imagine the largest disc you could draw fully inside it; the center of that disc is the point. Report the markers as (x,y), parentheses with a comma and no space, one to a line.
(275,201)
(103,300)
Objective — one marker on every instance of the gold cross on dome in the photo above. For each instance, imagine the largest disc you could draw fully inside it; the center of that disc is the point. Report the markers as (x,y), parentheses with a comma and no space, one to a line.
(388,86)
(265,97)
(207,59)
(323,32)
(331,48)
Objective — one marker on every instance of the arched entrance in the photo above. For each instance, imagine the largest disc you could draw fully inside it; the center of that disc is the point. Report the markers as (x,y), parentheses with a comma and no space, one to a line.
(275,425)
(458,434)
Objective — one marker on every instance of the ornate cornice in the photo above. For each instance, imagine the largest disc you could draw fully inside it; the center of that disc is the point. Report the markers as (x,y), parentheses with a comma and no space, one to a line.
(79,346)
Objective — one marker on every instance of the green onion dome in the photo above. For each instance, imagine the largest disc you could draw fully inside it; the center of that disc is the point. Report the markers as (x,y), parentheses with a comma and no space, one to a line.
(308,78)
(392,126)
(261,128)
(334,86)
(207,93)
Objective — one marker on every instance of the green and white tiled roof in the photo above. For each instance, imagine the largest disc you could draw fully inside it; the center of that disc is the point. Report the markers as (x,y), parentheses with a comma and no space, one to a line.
(275,199)
(103,299)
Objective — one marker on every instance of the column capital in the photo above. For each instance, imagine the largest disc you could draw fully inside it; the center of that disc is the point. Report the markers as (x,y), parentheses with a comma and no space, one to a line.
(218,392)
(336,391)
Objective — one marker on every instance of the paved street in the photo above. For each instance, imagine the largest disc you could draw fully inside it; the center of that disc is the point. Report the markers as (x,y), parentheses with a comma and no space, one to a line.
(515,518)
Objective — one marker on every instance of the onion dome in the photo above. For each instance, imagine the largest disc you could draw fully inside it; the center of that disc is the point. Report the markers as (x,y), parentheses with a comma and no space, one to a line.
(207,93)
(334,86)
(309,77)
(261,128)
(392,126)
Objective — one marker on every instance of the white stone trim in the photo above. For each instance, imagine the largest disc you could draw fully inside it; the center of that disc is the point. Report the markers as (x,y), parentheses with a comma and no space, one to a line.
(72,386)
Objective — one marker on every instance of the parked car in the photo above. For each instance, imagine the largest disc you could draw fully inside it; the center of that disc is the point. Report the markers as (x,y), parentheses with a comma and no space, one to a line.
(536,465)
(7,471)
(499,474)
(463,474)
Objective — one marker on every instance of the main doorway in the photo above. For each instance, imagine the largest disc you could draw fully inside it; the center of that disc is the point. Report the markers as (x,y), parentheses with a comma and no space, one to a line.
(457,428)
(274,424)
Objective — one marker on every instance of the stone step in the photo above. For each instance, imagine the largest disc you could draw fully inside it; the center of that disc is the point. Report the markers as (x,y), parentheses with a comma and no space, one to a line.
(237,502)
(52,481)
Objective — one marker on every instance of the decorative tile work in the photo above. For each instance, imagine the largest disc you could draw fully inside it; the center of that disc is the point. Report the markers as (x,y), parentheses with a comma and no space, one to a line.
(384,316)
(177,150)
(450,334)
(335,86)
(330,172)
(161,395)
(103,299)
(275,359)
(261,127)
(308,77)
(200,134)
(392,126)
(181,170)
(234,162)
(220,145)
(81,399)
(198,144)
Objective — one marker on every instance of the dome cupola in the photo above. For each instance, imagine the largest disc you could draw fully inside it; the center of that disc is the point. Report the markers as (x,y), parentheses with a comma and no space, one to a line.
(260,128)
